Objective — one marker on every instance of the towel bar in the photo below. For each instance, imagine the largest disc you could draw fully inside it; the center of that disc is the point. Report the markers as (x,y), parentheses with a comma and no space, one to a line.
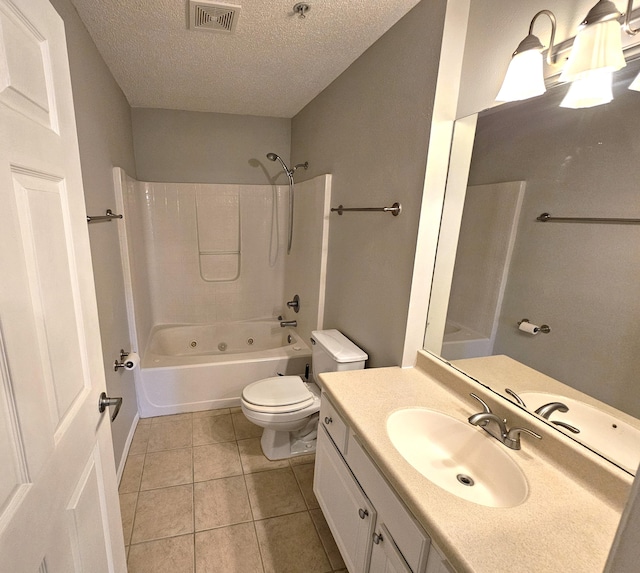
(107,217)
(546,217)
(395,209)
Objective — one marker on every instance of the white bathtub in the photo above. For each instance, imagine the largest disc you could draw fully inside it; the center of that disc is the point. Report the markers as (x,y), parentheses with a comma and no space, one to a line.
(463,342)
(187,368)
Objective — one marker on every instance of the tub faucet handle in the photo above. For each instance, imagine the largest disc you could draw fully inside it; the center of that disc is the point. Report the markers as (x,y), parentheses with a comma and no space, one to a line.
(295,303)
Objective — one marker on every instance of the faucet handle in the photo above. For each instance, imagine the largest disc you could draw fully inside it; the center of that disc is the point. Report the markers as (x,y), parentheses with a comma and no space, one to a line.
(515,396)
(526,431)
(513,437)
(487,410)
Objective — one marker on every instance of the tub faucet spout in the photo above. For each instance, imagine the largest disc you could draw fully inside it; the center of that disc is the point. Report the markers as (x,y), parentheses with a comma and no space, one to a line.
(284,323)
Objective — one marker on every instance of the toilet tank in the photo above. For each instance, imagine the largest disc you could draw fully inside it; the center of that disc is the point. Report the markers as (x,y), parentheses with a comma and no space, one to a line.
(332,351)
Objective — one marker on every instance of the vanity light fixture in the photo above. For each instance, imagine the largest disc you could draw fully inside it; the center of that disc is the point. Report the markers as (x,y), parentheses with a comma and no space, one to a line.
(525,75)
(595,55)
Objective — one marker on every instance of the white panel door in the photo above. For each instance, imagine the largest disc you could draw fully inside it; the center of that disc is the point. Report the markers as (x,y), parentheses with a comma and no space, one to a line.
(59,507)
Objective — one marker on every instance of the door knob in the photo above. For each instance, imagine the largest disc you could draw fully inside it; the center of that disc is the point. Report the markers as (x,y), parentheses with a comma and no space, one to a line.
(104,402)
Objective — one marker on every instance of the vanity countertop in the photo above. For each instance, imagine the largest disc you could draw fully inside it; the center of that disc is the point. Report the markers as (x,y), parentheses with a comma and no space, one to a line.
(570,517)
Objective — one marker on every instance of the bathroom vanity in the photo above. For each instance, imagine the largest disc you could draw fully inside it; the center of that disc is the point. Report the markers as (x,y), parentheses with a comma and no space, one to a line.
(371,525)
(386,516)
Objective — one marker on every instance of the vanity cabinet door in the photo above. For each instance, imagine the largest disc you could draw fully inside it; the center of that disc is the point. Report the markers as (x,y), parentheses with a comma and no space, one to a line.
(347,510)
(385,556)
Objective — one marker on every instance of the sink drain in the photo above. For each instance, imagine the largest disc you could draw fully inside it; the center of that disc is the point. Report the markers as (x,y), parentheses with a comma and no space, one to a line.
(465,480)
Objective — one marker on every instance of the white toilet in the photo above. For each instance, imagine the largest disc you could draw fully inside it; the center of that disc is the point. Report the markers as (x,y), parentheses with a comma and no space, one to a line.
(287,407)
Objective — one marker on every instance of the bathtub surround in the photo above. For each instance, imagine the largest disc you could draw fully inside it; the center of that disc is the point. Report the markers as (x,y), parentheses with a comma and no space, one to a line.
(207,254)
(218,230)
(306,264)
(485,245)
(165,251)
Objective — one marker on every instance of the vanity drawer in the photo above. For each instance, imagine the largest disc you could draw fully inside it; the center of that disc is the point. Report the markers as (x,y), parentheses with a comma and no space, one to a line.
(407,534)
(334,424)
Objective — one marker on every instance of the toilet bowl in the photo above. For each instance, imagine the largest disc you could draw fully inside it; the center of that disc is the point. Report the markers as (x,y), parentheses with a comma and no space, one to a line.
(287,406)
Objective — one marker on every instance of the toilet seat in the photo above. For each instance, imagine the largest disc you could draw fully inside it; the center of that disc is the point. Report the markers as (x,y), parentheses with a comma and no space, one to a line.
(277,395)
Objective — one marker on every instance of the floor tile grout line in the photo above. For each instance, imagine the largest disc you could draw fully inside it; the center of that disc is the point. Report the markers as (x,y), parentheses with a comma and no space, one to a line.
(253,517)
(322,543)
(255,532)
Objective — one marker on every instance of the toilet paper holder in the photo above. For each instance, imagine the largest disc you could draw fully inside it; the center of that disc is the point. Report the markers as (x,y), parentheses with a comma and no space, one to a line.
(122,363)
(544,328)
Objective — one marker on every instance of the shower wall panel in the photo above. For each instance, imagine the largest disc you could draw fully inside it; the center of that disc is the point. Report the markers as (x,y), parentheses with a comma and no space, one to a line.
(179,292)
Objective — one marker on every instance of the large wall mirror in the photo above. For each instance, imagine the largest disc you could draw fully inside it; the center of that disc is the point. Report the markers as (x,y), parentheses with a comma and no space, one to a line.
(579,277)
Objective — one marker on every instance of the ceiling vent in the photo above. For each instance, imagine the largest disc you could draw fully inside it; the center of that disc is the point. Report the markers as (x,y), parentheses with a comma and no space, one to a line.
(213,16)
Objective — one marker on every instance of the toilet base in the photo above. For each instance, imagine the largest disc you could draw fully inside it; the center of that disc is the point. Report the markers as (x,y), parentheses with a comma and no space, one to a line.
(284,445)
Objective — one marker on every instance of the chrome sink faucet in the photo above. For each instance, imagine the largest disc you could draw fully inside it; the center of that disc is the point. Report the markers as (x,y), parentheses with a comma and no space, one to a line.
(497,427)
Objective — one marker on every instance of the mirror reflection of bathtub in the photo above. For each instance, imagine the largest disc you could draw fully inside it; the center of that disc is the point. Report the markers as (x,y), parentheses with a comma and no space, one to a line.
(464,342)
(483,257)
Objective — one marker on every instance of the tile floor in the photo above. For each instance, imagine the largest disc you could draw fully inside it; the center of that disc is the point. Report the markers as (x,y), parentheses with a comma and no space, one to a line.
(197,495)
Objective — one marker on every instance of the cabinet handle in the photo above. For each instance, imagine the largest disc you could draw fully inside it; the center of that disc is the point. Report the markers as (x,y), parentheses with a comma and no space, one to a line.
(363,513)
(377,538)
(328,420)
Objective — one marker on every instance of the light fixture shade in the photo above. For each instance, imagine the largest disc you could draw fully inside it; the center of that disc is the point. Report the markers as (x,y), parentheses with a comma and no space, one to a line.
(597,46)
(590,89)
(635,84)
(524,77)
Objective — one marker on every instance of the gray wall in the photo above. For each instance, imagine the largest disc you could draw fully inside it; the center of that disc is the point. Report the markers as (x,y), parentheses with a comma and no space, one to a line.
(104,134)
(196,147)
(370,129)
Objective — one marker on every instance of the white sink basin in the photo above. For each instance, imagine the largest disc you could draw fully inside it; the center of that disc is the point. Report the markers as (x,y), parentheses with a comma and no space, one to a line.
(457,457)
(600,431)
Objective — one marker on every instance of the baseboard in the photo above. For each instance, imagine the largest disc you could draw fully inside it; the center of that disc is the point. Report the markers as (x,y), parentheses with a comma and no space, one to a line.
(127,445)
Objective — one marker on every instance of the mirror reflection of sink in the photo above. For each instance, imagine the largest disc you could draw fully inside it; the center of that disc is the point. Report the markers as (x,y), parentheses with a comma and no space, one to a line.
(457,457)
(599,430)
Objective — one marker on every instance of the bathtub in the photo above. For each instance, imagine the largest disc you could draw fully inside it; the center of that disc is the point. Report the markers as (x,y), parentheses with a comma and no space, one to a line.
(188,368)
(463,342)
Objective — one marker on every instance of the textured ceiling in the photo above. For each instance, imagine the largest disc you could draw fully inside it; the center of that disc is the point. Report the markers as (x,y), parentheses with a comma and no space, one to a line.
(272,65)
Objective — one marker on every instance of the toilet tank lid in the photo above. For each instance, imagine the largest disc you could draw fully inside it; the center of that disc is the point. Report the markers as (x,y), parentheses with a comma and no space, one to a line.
(338,346)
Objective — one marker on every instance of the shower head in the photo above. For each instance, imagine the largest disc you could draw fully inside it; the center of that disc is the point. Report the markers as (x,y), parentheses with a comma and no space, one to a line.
(276,157)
